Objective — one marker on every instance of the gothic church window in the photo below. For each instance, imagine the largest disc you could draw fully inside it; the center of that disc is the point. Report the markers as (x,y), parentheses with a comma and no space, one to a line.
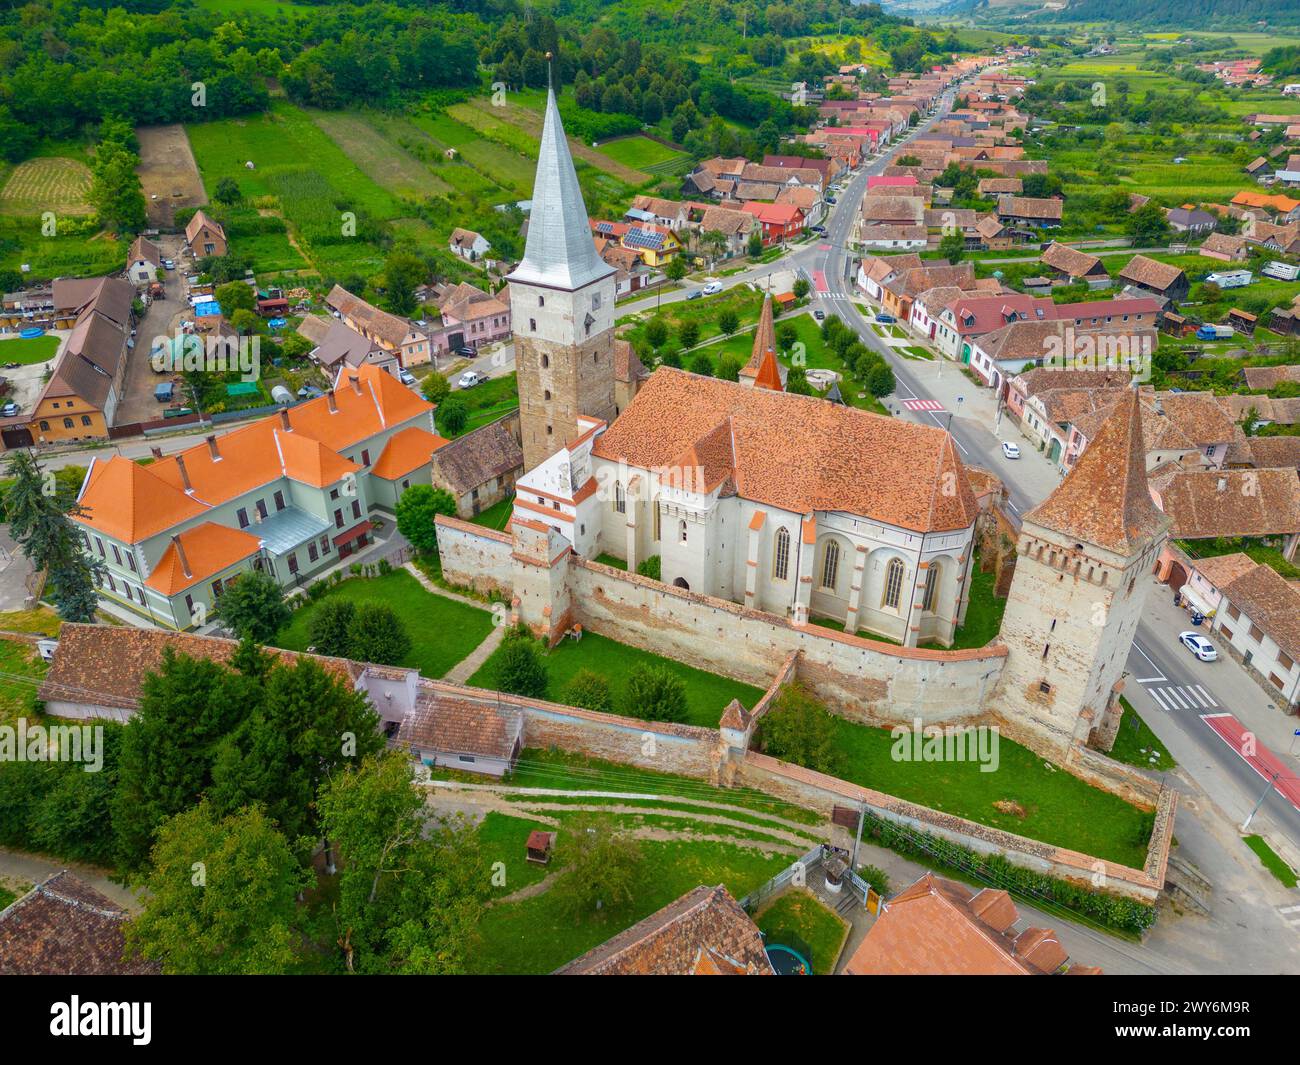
(893,583)
(831,565)
(781,562)
(931,587)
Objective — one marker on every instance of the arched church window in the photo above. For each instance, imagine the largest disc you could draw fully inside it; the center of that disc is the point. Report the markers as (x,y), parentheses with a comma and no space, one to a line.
(620,500)
(831,564)
(931,587)
(781,561)
(893,583)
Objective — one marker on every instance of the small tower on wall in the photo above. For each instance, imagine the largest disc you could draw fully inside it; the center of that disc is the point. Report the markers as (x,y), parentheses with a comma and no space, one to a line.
(561,307)
(1083,557)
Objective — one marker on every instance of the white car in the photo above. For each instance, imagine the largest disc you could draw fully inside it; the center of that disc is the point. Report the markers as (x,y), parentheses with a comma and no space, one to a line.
(406,377)
(469,379)
(712,288)
(1199,646)
(1010,450)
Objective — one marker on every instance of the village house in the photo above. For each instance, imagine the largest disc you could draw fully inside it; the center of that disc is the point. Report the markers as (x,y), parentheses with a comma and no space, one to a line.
(893,238)
(143,262)
(471,318)
(779,221)
(938,927)
(970,317)
(1029,211)
(996,187)
(1071,265)
(671,214)
(445,732)
(1157,278)
(205,237)
(409,342)
(339,346)
(1223,247)
(734,226)
(290,495)
(79,401)
(64,927)
(1190,220)
(1212,504)
(481,467)
(1283,208)
(467,244)
(703,933)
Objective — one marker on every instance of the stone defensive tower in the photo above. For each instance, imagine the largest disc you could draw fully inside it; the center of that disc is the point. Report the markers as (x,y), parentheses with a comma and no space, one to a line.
(562,308)
(1080,583)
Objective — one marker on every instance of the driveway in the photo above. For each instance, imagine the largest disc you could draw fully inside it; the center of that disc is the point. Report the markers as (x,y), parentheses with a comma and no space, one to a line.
(137,403)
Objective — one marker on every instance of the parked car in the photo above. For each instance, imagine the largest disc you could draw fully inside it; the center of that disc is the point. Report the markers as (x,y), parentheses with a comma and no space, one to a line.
(1199,646)
(9,410)
(464,352)
(1010,450)
(469,379)
(818,231)
(169,264)
(695,294)
(406,377)
(819,314)
(886,319)
(712,288)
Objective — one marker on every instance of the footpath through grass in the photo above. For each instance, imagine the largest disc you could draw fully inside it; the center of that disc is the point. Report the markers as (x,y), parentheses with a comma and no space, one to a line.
(1024,794)
(442,630)
(707,694)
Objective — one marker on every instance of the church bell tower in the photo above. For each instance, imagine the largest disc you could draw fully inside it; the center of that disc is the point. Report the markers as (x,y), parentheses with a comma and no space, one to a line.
(561,307)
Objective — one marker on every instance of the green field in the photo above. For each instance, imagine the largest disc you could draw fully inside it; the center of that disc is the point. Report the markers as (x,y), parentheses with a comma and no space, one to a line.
(442,630)
(642,153)
(707,694)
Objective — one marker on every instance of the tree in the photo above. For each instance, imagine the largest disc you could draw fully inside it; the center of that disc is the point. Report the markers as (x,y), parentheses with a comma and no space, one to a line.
(880,381)
(796,382)
(377,635)
(416,510)
(221,898)
(245,322)
(689,333)
(589,690)
(235,296)
(37,506)
(435,387)
(801,287)
(403,274)
(602,868)
(227,192)
(452,416)
(330,627)
(115,190)
(650,567)
(676,269)
(786,336)
(799,729)
(953,247)
(520,669)
(728,321)
(1148,225)
(253,606)
(702,364)
(655,694)
(656,332)
(729,368)
(755,244)
(411,890)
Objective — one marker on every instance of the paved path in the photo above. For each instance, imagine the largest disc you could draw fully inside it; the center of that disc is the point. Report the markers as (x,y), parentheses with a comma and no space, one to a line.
(469,665)
(20,871)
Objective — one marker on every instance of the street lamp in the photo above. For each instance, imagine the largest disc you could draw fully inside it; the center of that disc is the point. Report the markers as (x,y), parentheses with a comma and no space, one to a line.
(1245,825)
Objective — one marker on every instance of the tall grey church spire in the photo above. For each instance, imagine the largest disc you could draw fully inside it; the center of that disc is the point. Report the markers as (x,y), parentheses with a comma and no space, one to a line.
(560,251)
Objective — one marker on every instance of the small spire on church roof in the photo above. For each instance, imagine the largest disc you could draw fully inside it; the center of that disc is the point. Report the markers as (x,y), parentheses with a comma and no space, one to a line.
(560,251)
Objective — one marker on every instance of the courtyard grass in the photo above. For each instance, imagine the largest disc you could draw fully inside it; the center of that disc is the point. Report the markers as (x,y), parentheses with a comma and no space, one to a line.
(1271,860)
(502,838)
(23,669)
(983,612)
(29,350)
(798,919)
(536,935)
(1024,795)
(495,397)
(1135,743)
(497,515)
(707,694)
(442,630)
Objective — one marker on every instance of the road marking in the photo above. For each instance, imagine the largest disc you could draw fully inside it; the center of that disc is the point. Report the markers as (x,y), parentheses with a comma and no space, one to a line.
(1155,694)
(1148,680)
(923,404)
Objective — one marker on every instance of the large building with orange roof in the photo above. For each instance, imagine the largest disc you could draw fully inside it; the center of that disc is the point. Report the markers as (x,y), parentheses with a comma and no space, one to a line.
(290,494)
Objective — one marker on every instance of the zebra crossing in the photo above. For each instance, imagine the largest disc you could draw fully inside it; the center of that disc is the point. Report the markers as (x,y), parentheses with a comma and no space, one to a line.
(1175,697)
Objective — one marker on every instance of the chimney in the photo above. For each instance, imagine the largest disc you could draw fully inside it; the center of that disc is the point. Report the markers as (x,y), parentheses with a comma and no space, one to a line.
(284,421)
(333,403)
(185,474)
(180,554)
(157,451)
(1223,484)
(212,447)
(356,383)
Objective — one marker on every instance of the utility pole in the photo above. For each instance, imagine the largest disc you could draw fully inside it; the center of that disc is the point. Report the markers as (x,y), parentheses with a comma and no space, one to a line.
(1246,823)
